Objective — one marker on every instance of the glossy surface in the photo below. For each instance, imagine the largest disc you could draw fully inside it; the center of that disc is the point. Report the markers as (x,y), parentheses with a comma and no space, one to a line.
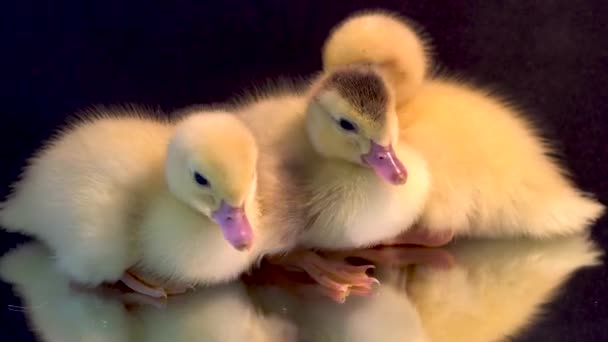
(489,290)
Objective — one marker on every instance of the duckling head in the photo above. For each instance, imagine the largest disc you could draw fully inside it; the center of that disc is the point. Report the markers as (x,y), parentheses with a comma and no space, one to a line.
(351,117)
(211,166)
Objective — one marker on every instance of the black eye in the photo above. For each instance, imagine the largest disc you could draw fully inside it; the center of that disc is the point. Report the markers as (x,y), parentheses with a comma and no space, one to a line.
(198,178)
(347,125)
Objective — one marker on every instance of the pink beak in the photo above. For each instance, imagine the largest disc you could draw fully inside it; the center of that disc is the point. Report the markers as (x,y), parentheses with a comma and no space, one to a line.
(235,226)
(383,160)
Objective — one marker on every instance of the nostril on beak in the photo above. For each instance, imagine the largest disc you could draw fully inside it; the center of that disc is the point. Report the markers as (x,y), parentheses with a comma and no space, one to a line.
(399,178)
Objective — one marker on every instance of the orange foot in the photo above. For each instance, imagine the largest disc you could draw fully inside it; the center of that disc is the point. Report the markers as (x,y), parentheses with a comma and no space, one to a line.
(399,256)
(146,287)
(337,278)
(421,237)
(134,300)
(130,300)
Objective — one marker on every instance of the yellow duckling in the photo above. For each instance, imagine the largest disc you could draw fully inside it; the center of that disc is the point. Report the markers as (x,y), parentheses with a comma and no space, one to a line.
(124,195)
(348,180)
(491,172)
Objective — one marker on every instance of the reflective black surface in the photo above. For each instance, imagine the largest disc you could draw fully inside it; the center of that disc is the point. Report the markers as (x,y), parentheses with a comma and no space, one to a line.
(492,290)
(549,57)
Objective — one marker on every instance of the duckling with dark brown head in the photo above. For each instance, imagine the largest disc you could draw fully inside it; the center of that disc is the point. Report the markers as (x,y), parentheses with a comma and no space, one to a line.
(348,180)
(493,173)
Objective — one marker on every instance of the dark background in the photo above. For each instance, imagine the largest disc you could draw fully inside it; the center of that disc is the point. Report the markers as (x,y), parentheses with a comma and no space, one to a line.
(550,56)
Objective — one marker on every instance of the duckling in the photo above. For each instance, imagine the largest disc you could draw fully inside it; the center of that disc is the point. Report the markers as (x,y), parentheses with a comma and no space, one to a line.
(492,173)
(122,195)
(352,183)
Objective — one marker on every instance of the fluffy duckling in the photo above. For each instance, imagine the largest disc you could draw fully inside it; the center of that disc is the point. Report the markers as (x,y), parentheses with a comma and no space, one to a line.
(122,195)
(492,173)
(353,184)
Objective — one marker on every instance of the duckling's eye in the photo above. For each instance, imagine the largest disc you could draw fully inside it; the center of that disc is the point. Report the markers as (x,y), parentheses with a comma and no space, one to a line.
(200,180)
(347,125)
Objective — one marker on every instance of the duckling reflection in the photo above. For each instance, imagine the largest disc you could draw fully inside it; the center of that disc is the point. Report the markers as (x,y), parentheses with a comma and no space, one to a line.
(54,309)
(387,315)
(222,313)
(497,287)
(57,311)
(472,290)
(487,290)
